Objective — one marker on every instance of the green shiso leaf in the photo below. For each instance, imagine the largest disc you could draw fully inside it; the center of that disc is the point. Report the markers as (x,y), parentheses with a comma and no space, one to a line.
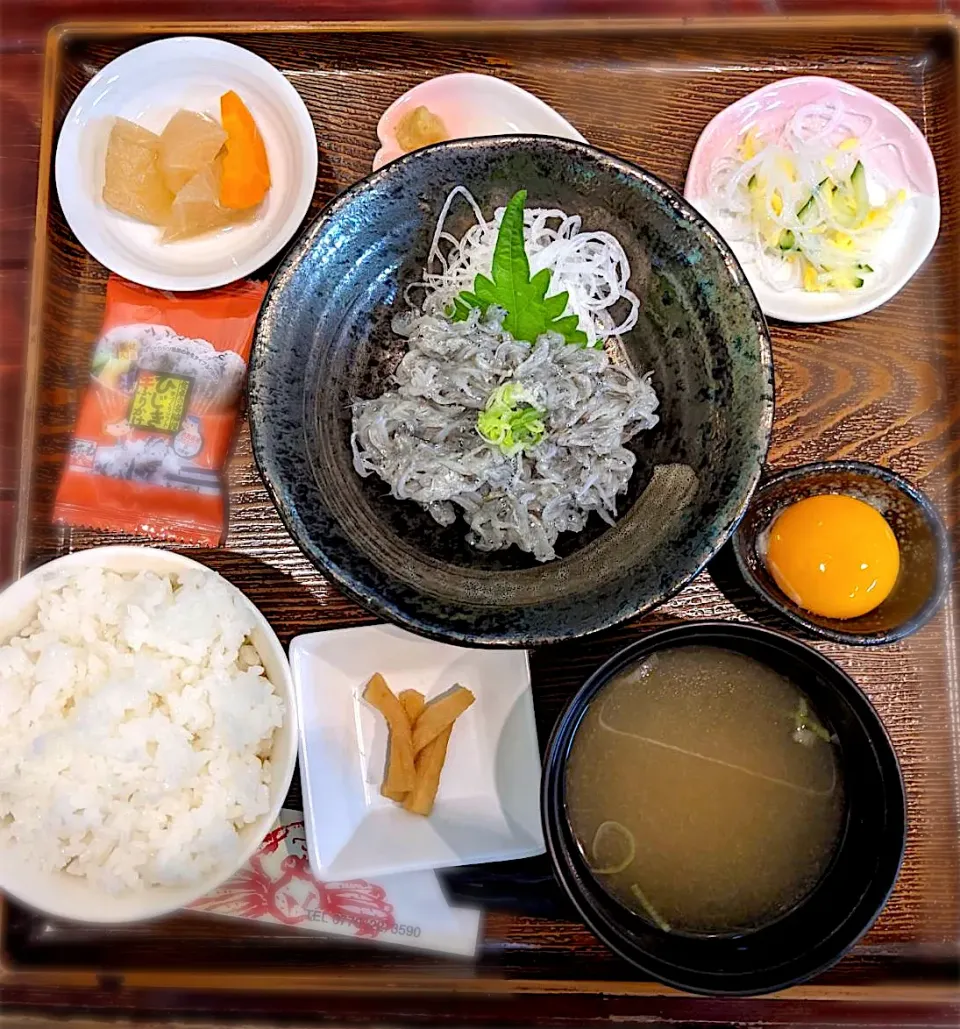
(529,311)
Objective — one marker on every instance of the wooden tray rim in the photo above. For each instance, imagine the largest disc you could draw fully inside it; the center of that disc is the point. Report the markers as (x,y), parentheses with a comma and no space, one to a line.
(940,994)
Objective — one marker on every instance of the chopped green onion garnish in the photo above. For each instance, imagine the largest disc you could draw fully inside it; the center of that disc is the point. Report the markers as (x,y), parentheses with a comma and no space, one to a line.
(510,421)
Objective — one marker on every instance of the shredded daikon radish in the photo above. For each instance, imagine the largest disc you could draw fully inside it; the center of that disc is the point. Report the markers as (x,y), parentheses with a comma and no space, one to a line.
(806,201)
(591,267)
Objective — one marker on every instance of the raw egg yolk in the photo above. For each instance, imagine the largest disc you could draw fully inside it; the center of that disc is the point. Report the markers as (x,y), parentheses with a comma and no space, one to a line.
(833,555)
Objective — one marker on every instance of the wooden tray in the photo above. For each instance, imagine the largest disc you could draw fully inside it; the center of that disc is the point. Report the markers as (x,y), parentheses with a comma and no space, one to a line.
(883,388)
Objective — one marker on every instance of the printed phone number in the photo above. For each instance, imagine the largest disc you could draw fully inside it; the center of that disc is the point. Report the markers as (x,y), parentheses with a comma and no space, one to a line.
(380,927)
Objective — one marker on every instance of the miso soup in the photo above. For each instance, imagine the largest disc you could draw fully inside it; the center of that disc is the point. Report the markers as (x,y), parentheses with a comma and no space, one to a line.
(703,791)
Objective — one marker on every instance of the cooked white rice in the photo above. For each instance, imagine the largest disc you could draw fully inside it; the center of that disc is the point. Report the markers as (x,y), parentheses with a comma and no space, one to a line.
(136,724)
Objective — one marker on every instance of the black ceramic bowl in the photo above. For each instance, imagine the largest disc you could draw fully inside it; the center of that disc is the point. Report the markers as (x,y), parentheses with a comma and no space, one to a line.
(324,339)
(850,895)
(924,548)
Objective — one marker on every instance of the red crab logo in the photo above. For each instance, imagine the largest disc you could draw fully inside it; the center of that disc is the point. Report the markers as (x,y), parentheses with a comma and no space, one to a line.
(295,896)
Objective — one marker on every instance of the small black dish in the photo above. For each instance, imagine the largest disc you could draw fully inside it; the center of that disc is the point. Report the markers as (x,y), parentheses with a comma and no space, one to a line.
(921,536)
(819,930)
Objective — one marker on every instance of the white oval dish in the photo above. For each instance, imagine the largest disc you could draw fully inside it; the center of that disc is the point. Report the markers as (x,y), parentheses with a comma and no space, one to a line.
(148,85)
(66,896)
(907,244)
(471,105)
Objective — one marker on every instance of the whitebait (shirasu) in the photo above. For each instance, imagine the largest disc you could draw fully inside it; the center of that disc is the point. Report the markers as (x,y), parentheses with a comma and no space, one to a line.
(420,436)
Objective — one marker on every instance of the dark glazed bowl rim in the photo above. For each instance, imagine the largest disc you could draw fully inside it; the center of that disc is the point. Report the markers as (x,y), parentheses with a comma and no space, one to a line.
(803,965)
(382,605)
(741,544)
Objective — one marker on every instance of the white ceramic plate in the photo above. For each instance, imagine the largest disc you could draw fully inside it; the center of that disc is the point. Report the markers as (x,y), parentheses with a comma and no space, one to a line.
(472,105)
(488,804)
(147,86)
(905,247)
(66,896)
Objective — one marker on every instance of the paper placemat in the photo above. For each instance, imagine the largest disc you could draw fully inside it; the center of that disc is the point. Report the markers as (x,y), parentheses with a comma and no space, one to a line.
(276,886)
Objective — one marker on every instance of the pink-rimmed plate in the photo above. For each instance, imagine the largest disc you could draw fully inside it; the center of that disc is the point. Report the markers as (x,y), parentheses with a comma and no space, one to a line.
(472,105)
(898,149)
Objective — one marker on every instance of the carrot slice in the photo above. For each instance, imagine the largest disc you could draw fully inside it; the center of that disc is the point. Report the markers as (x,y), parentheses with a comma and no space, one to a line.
(246,173)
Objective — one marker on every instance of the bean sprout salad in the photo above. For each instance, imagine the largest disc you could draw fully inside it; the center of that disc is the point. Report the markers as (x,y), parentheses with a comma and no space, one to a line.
(807,199)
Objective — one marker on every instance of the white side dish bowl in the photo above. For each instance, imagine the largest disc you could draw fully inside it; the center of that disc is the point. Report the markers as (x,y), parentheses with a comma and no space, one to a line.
(148,85)
(904,247)
(472,105)
(488,803)
(66,896)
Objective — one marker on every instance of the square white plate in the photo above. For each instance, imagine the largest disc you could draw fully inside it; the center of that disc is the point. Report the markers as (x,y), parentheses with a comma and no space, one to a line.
(488,803)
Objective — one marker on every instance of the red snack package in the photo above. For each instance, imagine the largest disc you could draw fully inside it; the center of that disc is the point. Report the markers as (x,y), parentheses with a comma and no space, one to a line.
(158,416)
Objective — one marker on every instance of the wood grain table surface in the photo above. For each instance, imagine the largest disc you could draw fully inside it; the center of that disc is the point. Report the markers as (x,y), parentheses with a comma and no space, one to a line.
(23,27)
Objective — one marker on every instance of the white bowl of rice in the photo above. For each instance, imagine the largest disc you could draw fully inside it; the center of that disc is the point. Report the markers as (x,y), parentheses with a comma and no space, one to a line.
(147,733)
